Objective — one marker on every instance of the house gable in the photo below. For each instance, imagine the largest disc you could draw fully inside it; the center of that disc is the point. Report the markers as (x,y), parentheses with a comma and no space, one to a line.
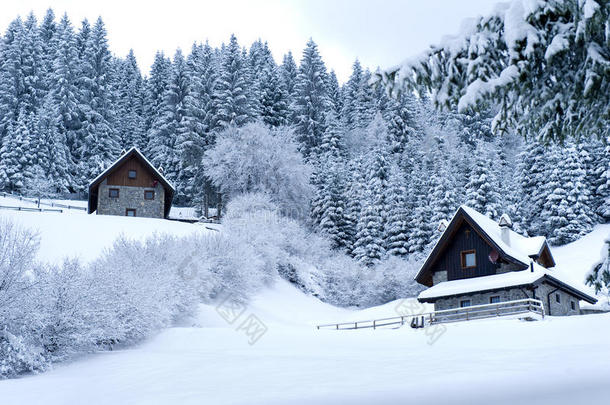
(465,240)
(461,222)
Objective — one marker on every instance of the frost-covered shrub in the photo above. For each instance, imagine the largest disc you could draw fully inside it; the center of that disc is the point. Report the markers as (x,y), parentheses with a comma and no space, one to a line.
(599,277)
(285,247)
(16,357)
(254,158)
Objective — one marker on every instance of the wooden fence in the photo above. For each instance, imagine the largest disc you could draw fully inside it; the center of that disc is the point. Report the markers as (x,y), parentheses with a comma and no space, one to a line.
(42,202)
(29,209)
(508,308)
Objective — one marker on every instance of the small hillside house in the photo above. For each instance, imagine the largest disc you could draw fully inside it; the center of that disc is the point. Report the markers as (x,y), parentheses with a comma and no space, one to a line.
(131,187)
(477,261)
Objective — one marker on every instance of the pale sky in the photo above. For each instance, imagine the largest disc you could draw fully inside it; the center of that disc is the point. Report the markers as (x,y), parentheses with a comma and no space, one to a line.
(379,33)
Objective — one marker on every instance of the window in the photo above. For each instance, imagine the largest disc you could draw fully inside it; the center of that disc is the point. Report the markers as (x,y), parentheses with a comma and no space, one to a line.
(464,303)
(149,195)
(113,192)
(494,299)
(469,259)
(557,298)
(132,174)
(573,305)
(130,212)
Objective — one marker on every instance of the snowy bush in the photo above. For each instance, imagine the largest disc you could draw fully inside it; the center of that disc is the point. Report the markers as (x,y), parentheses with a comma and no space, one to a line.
(16,357)
(599,277)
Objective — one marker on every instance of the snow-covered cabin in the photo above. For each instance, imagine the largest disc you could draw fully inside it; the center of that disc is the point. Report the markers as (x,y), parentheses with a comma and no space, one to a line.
(479,261)
(131,186)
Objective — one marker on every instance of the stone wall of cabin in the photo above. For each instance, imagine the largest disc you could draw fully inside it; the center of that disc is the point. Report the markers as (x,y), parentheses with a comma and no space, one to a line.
(131,197)
(439,277)
(561,308)
(481,298)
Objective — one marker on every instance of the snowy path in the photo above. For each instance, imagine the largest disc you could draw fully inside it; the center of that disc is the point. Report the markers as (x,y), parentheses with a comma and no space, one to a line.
(559,361)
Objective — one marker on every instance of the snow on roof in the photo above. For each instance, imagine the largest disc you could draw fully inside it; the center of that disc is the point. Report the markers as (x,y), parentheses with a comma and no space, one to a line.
(493,282)
(521,247)
(469,285)
(136,150)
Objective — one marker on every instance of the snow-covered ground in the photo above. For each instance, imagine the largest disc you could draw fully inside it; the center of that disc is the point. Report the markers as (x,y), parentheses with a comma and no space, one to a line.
(209,360)
(75,234)
(556,361)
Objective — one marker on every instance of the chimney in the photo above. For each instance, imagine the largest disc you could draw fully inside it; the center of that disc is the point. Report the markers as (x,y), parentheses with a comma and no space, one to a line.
(442,225)
(505,226)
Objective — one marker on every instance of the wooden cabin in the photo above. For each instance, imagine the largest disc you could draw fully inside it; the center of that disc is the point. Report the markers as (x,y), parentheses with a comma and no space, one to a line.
(479,261)
(131,187)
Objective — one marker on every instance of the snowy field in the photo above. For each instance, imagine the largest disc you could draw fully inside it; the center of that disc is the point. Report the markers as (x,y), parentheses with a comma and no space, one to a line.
(208,360)
(75,234)
(558,361)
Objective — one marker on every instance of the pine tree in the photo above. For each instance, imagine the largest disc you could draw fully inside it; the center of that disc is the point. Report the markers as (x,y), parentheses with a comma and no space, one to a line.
(288,72)
(547,77)
(31,66)
(567,211)
(400,115)
(48,38)
(331,202)
(532,169)
(333,139)
(311,101)
(359,103)
(334,92)
(130,103)
(54,157)
(11,77)
(397,228)
(354,196)
(65,95)
(162,144)
(231,94)
(195,130)
(15,157)
(369,245)
(100,142)
(156,87)
(482,188)
(274,97)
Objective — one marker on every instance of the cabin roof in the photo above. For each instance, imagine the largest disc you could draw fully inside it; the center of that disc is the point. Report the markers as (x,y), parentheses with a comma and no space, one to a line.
(499,282)
(133,152)
(520,250)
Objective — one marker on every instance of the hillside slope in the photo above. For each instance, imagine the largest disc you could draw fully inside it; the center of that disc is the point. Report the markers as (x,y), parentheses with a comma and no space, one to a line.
(575,260)
(558,360)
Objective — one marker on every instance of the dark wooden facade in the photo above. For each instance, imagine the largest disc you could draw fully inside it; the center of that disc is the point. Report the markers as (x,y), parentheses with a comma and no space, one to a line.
(465,239)
(120,176)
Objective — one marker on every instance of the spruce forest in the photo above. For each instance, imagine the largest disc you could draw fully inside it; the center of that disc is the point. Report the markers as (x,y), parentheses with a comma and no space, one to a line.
(377,170)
